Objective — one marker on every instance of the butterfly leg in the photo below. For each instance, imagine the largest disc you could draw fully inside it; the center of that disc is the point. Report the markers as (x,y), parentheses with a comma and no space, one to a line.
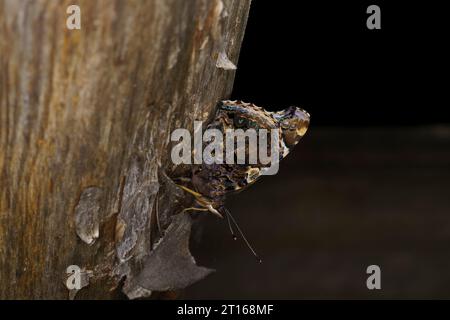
(194,209)
(207,206)
(194,193)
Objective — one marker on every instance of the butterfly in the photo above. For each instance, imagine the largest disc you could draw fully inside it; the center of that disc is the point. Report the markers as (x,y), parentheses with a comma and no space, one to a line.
(211,183)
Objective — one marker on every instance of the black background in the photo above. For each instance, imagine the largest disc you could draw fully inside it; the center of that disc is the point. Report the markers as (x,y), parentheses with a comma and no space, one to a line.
(321,56)
(368,184)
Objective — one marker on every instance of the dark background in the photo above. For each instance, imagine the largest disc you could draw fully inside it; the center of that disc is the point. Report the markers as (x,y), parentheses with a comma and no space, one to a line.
(320,55)
(369,183)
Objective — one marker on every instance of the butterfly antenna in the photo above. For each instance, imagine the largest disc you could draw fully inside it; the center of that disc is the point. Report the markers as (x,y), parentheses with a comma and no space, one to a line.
(228,214)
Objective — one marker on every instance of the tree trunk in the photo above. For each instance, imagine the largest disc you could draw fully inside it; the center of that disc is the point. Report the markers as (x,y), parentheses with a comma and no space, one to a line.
(85,123)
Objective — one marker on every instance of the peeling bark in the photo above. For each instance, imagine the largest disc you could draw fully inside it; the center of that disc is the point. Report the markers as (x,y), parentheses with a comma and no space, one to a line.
(85,123)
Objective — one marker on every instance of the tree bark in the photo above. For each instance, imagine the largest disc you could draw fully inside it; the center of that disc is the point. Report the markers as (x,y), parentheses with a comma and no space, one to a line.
(85,123)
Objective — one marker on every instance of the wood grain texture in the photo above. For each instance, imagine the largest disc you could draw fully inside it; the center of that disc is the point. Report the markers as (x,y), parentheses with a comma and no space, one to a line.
(93,109)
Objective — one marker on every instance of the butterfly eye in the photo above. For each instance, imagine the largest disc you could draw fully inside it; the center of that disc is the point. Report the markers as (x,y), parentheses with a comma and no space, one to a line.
(240,122)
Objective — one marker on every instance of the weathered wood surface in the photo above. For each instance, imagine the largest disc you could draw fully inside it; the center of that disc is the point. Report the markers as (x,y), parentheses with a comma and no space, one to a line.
(85,120)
